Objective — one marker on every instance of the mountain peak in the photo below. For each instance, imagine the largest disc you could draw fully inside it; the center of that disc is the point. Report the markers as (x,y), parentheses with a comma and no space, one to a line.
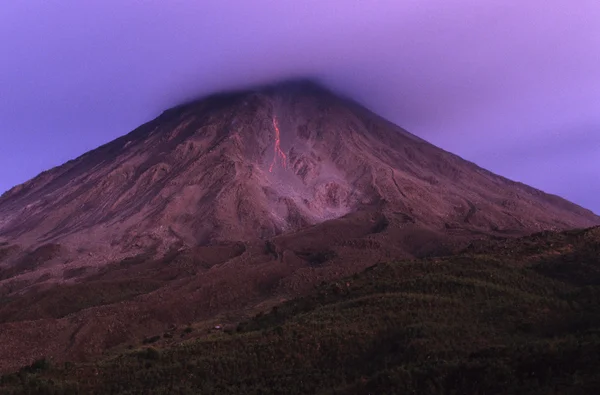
(295,87)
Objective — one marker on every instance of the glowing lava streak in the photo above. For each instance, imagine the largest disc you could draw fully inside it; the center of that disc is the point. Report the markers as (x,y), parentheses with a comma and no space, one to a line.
(278,152)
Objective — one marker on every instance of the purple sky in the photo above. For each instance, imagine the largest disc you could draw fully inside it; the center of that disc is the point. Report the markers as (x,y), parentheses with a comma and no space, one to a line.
(512,85)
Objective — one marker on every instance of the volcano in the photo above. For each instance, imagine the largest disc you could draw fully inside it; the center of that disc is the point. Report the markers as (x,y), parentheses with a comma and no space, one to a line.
(256,164)
(230,202)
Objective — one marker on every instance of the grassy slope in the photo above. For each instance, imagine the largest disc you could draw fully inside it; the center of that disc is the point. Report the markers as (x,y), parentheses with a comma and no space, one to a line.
(504,317)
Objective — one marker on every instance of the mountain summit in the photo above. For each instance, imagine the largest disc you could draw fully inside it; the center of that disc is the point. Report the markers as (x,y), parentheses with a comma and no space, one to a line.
(258,163)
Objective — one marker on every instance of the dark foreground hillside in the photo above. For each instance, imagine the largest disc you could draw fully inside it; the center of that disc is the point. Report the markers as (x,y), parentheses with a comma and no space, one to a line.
(506,316)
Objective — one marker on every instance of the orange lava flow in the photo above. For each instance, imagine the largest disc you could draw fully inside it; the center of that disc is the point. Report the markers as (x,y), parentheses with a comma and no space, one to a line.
(278,152)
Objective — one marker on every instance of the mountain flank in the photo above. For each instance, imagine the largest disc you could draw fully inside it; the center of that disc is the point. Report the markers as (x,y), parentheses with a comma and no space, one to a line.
(504,316)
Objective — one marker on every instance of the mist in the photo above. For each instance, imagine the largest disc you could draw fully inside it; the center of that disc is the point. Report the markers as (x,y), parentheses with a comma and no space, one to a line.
(511,86)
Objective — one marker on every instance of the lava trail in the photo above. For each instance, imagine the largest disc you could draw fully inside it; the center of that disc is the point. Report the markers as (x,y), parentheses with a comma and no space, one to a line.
(278,152)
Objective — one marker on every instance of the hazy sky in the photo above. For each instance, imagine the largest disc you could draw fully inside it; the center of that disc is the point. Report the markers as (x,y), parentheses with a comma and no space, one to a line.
(512,85)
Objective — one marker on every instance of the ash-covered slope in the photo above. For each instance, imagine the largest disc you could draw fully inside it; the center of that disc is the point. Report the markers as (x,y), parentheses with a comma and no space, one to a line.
(258,163)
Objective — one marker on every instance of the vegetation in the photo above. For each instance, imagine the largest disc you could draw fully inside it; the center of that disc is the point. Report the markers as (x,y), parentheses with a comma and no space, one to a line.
(60,301)
(518,317)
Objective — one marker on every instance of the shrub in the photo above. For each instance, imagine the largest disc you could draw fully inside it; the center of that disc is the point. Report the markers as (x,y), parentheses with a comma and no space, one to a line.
(150,353)
(37,366)
(150,340)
